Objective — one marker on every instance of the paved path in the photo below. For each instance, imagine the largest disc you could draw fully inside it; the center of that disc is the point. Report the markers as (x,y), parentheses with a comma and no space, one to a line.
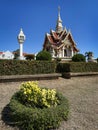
(82,93)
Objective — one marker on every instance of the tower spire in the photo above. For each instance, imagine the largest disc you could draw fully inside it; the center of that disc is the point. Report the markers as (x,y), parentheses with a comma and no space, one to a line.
(59,26)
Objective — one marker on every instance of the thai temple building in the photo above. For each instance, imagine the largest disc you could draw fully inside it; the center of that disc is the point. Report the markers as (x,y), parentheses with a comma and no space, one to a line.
(59,42)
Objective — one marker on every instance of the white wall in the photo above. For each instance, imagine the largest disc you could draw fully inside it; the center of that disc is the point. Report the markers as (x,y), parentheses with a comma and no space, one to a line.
(7,55)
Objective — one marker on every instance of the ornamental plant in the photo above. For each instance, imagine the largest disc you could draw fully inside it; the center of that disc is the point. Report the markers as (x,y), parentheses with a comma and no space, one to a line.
(35,108)
(32,95)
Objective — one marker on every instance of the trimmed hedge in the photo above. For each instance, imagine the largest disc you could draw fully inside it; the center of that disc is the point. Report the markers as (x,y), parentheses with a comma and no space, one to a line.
(28,118)
(77,67)
(63,67)
(21,67)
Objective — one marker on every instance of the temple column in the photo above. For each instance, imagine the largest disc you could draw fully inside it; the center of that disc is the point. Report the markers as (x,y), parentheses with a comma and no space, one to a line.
(63,51)
(72,52)
(60,55)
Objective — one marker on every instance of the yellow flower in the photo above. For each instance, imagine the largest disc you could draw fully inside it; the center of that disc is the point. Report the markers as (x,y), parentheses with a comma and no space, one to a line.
(33,93)
(25,92)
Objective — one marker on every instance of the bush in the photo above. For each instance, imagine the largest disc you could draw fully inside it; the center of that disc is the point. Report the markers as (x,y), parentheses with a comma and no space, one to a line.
(44,55)
(63,67)
(20,67)
(78,58)
(77,67)
(83,67)
(35,118)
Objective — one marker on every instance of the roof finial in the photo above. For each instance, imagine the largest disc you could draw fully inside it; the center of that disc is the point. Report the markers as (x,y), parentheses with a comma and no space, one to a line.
(58,10)
(59,26)
(59,18)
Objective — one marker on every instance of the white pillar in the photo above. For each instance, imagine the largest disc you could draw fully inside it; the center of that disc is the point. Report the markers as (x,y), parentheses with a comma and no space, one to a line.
(72,52)
(60,53)
(63,51)
(21,38)
(21,50)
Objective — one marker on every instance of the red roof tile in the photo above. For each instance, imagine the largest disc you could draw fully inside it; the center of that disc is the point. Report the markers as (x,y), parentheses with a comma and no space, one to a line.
(51,39)
(55,36)
(56,39)
(1,52)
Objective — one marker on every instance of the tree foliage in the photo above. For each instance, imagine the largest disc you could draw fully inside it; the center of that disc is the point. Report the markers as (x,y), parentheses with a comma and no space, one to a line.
(44,55)
(78,58)
(89,55)
(16,53)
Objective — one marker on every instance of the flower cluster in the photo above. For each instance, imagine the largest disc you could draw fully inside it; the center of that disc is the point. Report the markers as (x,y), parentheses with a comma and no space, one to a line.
(31,93)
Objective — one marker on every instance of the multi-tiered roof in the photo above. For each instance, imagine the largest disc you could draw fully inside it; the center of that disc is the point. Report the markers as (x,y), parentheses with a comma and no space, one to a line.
(60,37)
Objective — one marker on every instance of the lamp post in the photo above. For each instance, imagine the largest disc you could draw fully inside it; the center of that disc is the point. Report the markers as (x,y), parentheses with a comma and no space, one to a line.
(21,38)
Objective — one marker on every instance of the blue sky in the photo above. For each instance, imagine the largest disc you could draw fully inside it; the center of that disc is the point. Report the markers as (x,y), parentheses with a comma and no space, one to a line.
(37,17)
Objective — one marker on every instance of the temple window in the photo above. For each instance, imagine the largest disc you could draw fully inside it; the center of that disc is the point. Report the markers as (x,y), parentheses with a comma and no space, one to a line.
(65,52)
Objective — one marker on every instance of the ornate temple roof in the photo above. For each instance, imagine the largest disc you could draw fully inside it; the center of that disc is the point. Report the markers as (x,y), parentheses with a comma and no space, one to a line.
(58,40)
(60,37)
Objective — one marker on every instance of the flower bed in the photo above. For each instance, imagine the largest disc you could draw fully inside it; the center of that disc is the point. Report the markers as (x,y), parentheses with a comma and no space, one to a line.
(35,108)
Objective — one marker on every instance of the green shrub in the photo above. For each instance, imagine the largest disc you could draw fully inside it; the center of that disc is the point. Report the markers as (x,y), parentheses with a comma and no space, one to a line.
(77,67)
(83,67)
(78,58)
(35,118)
(20,67)
(63,67)
(44,55)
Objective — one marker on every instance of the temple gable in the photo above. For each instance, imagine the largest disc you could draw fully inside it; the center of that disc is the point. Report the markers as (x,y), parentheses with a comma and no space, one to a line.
(60,42)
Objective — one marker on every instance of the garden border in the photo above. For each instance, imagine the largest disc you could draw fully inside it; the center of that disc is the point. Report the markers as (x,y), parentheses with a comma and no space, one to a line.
(16,78)
(70,74)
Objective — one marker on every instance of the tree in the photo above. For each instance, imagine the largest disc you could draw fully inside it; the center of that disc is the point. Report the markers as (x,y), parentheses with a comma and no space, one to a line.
(44,55)
(16,53)
(89,55)
(78,58)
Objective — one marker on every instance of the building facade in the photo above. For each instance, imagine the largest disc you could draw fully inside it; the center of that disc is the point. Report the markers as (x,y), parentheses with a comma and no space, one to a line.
(60,42)
(6,55)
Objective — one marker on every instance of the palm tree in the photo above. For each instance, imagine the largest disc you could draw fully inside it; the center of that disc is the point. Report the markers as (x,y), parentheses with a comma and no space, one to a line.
(89,55)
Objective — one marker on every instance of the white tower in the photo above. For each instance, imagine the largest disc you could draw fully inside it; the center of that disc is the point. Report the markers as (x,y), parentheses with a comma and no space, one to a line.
(21,38)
